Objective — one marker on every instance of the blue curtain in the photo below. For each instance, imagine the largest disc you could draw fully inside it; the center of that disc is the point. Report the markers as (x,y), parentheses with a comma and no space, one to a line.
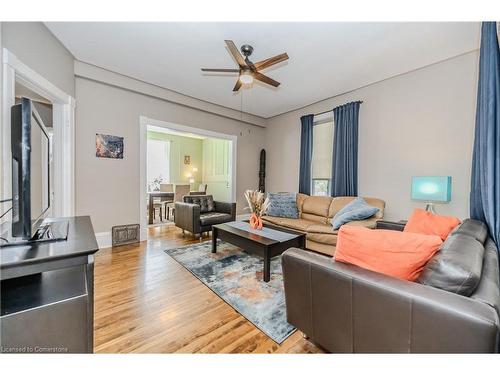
(345,150)
(306,147)
(485,179)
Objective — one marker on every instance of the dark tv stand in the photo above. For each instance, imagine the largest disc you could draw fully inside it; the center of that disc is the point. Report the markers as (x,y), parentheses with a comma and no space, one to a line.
(47,292)
(50,230)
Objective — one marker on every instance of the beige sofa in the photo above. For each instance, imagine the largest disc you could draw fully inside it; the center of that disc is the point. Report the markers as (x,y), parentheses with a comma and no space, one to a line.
(315,214)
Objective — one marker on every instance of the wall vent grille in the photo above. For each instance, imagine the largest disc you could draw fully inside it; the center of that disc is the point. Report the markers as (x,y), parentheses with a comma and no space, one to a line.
(125,234)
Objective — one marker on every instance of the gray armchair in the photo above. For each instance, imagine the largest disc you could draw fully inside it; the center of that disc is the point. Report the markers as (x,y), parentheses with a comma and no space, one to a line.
(198,213)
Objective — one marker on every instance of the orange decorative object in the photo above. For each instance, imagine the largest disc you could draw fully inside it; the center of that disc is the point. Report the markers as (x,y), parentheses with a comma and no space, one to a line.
(255,222)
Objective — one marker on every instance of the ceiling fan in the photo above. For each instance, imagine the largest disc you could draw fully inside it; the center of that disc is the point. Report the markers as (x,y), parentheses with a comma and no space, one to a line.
(248,71)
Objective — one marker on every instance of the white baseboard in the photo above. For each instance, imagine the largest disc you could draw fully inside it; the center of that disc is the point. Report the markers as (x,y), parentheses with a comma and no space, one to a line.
(143,236)
(103,239)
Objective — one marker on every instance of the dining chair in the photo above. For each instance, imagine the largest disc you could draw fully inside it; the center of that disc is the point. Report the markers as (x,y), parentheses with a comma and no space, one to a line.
(202,188)
(179,192)
(166,188)
(158,205)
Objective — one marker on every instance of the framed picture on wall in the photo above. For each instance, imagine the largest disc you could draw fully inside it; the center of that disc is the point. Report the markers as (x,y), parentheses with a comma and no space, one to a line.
(187,159)
(108,146)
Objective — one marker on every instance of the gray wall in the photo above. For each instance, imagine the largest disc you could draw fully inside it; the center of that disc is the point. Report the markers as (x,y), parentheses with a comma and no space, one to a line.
(108,189)
(419,123)
(36,47)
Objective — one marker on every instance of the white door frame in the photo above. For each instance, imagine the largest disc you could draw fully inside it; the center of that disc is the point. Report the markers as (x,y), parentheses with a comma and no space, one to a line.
(143,149)
(63,108)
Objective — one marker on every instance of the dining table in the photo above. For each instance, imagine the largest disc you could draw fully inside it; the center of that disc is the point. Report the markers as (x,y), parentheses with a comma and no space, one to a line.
(167,197)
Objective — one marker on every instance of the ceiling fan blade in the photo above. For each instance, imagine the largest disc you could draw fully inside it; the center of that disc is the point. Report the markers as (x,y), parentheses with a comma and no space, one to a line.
(237,86)
(220,70)
(261,77)
(271,61)
(236,54)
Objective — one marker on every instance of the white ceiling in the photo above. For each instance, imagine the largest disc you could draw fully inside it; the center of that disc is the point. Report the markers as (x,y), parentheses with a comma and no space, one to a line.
(326,59)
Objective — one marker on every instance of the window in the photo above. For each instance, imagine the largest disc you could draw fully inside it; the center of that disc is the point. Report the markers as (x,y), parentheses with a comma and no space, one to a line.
(322,158)
(321,187)
(158,168)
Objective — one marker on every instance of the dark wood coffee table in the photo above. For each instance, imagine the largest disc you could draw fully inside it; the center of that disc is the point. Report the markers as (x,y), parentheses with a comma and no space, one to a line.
(266,243)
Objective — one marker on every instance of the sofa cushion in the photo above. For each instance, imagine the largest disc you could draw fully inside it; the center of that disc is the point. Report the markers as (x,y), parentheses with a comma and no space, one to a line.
(272,219)
(300,201)
(283,205)
(426,222)
(357,209)
(322,228)
(473,228)
(367,223)
(211,218)
(319,247)
(297,224)
(393,253)
(317,206)
(324,238)
(457,267)
(206,202)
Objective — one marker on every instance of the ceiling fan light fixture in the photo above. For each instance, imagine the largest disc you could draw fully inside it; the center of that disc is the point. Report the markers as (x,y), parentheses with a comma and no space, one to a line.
(249,71)
(246,78)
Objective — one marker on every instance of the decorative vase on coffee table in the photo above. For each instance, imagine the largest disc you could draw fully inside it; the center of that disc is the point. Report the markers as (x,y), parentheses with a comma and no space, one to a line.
(255,221)
(257,204)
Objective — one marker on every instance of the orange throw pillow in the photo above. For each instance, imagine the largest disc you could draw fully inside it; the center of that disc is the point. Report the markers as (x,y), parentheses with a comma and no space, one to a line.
(393,253)
(425,222)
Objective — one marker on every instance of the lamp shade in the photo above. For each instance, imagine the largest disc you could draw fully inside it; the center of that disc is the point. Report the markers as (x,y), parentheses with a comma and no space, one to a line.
(431,188)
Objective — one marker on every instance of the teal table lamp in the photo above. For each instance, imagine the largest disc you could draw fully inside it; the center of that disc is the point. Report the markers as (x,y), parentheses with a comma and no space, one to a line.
(431,189)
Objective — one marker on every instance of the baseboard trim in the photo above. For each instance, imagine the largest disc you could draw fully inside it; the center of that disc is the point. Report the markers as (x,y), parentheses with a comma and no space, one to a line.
(103,239)
(143,235)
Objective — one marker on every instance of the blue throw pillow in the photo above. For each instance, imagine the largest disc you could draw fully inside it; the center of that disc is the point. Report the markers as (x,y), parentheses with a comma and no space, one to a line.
(283,205)
(357,209)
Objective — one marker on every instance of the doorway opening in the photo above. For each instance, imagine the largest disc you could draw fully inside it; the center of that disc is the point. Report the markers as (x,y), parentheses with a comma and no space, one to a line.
(56,108)
(178,160)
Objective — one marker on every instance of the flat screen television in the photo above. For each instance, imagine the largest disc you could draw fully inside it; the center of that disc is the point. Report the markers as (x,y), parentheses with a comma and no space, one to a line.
(30,144)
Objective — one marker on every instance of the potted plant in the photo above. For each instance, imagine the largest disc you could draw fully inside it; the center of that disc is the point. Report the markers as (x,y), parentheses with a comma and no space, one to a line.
(257,204)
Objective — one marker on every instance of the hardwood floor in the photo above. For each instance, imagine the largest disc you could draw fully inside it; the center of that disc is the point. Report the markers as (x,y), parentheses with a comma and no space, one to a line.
(146,302)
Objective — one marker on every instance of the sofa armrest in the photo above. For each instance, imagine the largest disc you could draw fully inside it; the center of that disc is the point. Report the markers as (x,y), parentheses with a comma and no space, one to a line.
(187,216)
(226,208)
(345,308)
(390,225)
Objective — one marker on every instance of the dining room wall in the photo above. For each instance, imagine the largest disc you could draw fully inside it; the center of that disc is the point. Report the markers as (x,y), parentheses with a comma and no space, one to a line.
(179,147)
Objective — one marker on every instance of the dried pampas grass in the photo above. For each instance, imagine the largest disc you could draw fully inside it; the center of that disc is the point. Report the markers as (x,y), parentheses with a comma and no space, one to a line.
(257,202)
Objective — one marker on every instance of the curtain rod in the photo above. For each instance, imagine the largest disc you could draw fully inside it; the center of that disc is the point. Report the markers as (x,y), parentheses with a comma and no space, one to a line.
(322,113)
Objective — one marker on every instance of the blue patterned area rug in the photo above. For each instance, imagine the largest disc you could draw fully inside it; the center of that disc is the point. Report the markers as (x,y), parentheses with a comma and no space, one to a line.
(236,277)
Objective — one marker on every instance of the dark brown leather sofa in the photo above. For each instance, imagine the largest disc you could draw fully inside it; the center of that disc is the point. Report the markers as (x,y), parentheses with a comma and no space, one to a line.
(198,213)
(347,309)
